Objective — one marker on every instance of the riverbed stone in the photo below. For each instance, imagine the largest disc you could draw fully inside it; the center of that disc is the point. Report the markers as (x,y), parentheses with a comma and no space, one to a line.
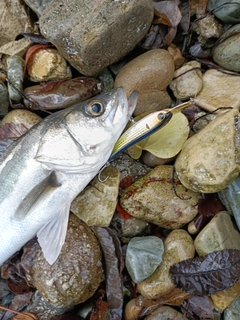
(209,160)
(143,256)
(94,34)
(187,81)
(152,199)
(219,90)
(218,234)
(233,311)
(166,313)
(18,116)
(38,5)
(149,74)
(225,10)
(178,246)
(96,204)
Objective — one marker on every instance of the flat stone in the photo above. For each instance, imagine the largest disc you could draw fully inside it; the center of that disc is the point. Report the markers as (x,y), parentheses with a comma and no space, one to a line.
(218,234)
(178,246)
(18,47)
(143,256)
(152,199)
(166,313)
(96,204)
(149,74)
(219,90)
(229,13)
(19,116)
(94,34)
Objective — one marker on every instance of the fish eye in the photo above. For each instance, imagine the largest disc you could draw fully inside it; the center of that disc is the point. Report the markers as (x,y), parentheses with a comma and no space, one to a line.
(161,116)
(95,108)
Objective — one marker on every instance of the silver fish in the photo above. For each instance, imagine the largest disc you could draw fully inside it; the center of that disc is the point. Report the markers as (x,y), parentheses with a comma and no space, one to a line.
(45,169)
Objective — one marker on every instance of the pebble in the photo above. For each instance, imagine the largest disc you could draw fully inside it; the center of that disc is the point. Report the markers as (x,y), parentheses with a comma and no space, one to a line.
(166,313)
(47,64)
(14,20)
(187,81)
(18,116)
(233,311)
(4,99)
(38,5)
(107,32)
(143,256)
(218,234)
(62,94)
(208,27)
(209,160)
(152,161)
(152,199)
(15,66)
(178,246)
(18,47)
(59,283)
(230,197)
(150,74)
(229,13)
(219,90)
(96,204)
(226,54)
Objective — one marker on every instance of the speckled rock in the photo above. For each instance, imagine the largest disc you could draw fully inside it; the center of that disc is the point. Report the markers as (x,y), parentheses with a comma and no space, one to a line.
(19,116)
(76,274)
(151,198)
(94,34)
(166,313)
(18,47)
(96,204)
(47,64)
(209,160)
(219,90)
(150,74)
(178,246)
(143,256)
(187,81)
(233,311)
(15,66)
(218,234)
(38,5)
(15,19)
(229,13)
(4,99)
(226,54)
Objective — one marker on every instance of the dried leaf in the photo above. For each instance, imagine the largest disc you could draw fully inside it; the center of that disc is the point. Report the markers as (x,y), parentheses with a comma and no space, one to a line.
(67,316)
(207,274)
(111,250)
(198,306)
(198,7)
(168,12)
(24,316)
(34,37)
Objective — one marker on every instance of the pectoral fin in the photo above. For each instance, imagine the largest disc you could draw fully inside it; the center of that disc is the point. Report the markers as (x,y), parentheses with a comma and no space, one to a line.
(35,193)
(52,236)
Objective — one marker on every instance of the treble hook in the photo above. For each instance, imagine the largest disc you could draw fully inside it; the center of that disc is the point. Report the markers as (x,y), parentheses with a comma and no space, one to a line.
(107,164)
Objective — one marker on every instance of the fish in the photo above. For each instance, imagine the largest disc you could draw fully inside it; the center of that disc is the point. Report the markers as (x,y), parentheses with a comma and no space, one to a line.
(145,127)
(47,167)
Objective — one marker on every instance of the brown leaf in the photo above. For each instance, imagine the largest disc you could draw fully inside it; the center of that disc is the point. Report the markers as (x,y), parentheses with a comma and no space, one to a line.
(25,316)
(198,7)
(207,274)
(198,306)
(168,12)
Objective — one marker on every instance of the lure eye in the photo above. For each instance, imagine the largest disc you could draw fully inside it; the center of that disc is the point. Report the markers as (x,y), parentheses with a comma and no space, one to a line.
(161,116)
(95,108)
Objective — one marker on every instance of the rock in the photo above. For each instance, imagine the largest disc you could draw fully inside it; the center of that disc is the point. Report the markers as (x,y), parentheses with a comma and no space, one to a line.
(219,90)
(107,32)
(62,94)
(47,64)
(233,311)
(152,161)
(18,116)
(14,20)
(166,313)
(107,79)
(226,54)
(76,274)
(150,74)
(218,234)
(178,246)
(187,81)
(175,52)
(38,5)
(152,199)
(96,204)
(15,65)
(230,197)
(4,99)
(209,27)
(225,10)
(143,256)
(209,160)
(18,47)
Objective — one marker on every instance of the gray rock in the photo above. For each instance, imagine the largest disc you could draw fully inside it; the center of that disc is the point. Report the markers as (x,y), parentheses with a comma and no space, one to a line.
(144,254)
(166,313)
(233,311)
(229,13)
(4,100)
(15,65)
(38,5)
(94,34)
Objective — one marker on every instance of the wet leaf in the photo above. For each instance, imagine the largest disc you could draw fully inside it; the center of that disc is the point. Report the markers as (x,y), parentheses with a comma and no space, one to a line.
(34,37)
(198,7)
(198,306)
(207,274)
(167,13)
(166,142)
(111,248)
